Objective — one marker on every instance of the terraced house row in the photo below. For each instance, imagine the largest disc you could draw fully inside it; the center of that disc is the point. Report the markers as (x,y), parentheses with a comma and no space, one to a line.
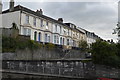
(45,29)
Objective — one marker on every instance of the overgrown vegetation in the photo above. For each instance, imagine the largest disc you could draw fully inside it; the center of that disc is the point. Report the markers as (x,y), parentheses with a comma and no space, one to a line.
(12,44)
(106,53)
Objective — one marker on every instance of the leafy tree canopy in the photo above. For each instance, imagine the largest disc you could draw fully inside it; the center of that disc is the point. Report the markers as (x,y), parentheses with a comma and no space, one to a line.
(83,45)
(105,53)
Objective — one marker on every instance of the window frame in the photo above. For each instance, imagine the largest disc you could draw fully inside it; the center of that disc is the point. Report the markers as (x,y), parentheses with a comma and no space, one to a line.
(27,19)
(34,21)
(41,22)
(56,28)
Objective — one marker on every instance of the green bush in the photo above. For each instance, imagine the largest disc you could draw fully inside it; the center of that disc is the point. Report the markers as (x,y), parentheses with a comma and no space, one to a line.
(50,46)
(83,45)
(11,44)
(8,44)
(34,45)
(118,51)
(105,53)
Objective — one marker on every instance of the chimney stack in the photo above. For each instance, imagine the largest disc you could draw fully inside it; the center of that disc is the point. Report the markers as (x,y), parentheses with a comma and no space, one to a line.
(39,12)
(0,7)
(11,5)
(60,20)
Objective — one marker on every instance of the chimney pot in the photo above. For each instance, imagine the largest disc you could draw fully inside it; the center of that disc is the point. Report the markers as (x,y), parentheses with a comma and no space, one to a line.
(39,11)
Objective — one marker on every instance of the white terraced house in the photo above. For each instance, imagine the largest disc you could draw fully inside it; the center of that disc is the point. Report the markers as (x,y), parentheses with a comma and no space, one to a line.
(91,37)
(40,27)
(118,22)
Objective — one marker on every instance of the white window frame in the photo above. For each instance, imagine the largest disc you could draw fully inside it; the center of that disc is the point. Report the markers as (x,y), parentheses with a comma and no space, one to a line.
(27,19)
(56,28)
(34,21)
(41,22)
(55,37)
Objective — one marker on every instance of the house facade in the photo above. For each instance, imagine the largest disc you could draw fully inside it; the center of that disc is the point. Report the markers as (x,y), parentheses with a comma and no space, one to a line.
(118,22)
(42,28)
(0,7)
(91,37)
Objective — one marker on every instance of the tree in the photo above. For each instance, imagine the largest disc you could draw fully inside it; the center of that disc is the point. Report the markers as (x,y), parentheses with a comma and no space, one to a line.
(117,31)
(105,53)
(83,45)
(118,51)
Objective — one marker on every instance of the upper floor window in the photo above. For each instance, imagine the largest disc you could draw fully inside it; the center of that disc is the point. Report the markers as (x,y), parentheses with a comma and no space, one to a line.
(56,28)
(68,32)
(60,29)
(47,23)
(34,22)
(41,21)
(64,32)
(27,19)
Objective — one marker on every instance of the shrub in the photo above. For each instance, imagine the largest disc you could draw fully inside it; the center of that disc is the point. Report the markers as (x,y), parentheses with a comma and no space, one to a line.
(105,53)
(8,44)
(50,46)
(34,45)
(83,45)
(11,44)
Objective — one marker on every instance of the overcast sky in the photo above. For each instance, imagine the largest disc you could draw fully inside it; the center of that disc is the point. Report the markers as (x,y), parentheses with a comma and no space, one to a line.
(98,17)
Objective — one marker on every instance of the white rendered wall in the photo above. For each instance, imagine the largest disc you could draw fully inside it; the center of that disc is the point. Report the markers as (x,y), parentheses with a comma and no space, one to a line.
(38,27)
(9,18)
(0,7)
